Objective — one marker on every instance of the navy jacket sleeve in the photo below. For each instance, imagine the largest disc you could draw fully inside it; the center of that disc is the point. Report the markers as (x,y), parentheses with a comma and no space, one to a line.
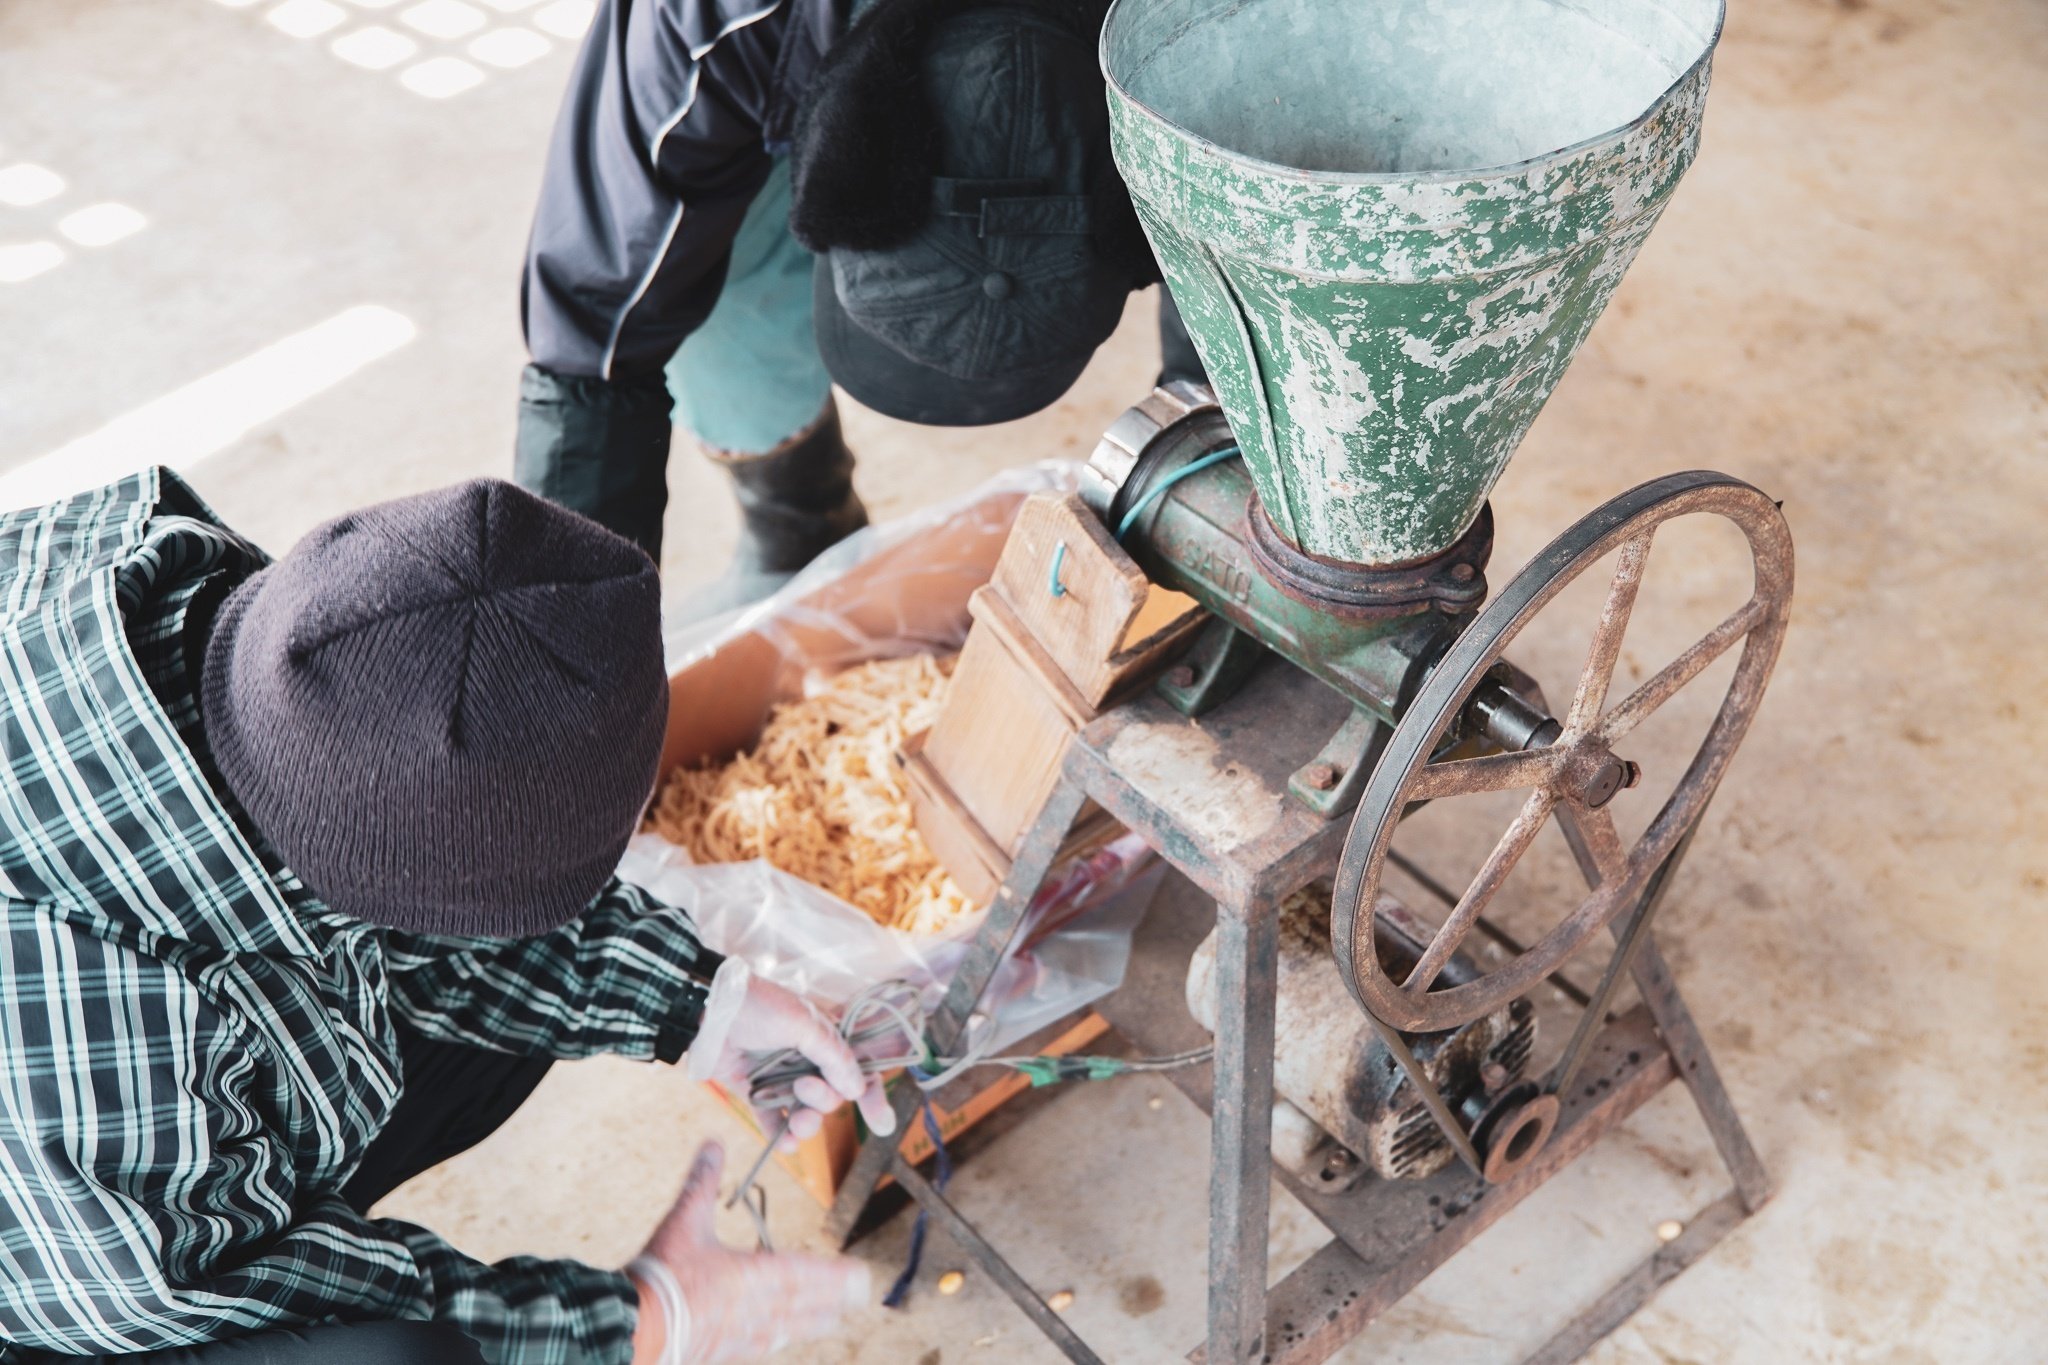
(664,138)
(657,152)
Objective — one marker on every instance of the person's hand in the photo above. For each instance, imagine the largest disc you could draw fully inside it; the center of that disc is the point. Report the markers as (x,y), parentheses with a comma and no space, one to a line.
(748,1018)
(725,1305)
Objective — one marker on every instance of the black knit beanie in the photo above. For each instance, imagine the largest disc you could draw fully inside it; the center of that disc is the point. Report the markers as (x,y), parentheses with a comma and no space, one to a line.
(444,712)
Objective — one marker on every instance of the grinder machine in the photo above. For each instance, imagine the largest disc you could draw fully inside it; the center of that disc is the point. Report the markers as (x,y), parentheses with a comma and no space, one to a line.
(1389,226)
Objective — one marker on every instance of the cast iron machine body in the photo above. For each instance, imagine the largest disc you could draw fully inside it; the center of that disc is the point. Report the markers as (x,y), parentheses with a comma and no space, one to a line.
(1163,480)
(1388,240)
(1438,711)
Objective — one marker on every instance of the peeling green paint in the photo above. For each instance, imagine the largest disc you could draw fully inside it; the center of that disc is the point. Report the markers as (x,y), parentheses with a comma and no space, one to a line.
(1389,225)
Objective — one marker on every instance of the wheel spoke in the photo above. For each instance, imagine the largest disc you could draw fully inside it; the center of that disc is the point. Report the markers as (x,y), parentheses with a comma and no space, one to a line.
(1607,637)
(1473,903)
(1680,671)
(1600,841)
(1494,773)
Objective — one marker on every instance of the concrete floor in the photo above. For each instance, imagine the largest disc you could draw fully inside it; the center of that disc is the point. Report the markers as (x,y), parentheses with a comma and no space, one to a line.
(1845,305)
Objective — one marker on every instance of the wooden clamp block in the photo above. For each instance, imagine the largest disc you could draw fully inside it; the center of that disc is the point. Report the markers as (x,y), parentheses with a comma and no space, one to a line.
(1110,626)
(976,862)
(1037,666)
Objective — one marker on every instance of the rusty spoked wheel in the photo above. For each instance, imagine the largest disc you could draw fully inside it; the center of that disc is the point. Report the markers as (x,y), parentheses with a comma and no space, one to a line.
(1574,775)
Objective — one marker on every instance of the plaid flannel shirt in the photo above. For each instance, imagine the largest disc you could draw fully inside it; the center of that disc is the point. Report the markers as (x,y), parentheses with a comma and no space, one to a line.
(197,1050)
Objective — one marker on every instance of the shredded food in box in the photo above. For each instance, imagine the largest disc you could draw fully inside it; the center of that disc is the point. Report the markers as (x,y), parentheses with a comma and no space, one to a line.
(820,796)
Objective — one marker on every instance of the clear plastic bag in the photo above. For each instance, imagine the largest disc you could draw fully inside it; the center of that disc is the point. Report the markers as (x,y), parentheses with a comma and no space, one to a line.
(872,595)
(897,588)
(1076,937)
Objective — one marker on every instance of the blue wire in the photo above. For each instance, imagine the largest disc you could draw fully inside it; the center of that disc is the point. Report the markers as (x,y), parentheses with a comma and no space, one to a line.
(900,1291)
(1152,493)
(1053,584)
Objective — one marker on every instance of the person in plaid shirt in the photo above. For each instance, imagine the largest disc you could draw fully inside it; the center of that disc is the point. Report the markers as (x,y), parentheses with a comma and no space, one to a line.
(305,874)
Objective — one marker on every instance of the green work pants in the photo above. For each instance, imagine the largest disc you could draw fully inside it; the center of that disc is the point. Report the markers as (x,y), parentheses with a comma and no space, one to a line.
(750,377)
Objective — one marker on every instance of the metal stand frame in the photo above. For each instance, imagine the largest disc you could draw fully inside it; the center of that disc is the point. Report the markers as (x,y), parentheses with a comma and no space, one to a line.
(1211,796)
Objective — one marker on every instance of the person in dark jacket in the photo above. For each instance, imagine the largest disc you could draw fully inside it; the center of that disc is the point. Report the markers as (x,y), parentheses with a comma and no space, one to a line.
(745,201)
(305,880)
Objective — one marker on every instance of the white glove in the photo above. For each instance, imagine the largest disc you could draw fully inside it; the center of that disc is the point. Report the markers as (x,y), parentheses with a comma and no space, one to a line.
(747,1018)
(715,1304)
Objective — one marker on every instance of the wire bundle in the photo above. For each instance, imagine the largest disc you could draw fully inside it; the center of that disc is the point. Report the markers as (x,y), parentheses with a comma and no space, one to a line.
(885,1026)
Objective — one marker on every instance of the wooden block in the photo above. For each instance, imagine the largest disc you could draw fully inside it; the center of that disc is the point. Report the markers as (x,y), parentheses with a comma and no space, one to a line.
(1036,668)
(1110,626)
(974,860)
(954,836)
(998,741)
(993,614)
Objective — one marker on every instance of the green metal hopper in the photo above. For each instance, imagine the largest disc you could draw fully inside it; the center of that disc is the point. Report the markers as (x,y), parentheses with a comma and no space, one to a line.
(1389,225)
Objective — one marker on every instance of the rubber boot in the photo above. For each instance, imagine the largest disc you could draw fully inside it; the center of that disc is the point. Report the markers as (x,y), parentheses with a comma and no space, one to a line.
(796,502)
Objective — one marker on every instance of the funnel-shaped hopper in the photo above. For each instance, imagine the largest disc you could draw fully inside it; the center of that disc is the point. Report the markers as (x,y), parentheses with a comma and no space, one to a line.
(1390,223)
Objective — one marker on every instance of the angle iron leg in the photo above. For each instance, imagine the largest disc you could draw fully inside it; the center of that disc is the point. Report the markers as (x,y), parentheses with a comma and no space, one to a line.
(1696,1068)
(991,944)
(1634,1289)
(1659,991)
(1247,963)
(1631,933)
(1694,1065)
(991,1260)
(1680,1034)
